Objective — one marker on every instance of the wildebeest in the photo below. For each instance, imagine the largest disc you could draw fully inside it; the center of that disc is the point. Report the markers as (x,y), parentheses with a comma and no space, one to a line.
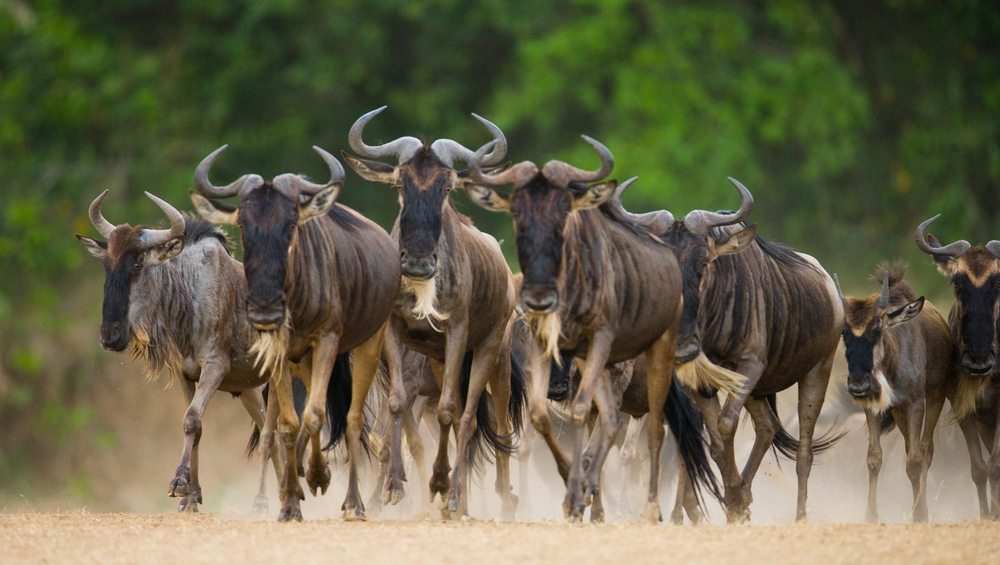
(322,280)
(898,351)
(600,288)
(457,298)
(174,297)
(767,312)
(974,318)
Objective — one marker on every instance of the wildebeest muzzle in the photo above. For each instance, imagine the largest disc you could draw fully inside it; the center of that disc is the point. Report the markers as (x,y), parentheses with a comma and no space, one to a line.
(419,268)
(541,300)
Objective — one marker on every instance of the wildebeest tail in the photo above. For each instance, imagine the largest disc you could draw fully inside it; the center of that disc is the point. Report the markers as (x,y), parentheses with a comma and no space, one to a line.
(788,446)
(299,397)
(518,397)
(686,424)
(338,402)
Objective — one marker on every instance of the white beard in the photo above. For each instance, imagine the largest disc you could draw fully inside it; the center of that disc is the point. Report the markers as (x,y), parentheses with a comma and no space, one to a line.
(425,296)
(270,349)
(885,399)
(547,328)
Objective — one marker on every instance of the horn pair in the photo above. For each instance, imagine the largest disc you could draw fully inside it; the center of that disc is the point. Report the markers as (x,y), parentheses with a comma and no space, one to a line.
(953,250)
(558,172)
(150,238)
(697,220)
(447,150)
(245,184)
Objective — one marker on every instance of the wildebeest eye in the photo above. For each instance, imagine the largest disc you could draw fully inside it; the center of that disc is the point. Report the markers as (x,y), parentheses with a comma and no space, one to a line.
(137,266)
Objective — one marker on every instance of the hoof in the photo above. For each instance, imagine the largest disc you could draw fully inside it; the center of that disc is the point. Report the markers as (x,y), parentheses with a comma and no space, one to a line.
(652,514)
(260,505)
(596,515)
(352,509)
(677,517)
(182,480)
(394,492)
(318,478)
(440,484)
(508,508)
(290,513)
(354,514)
(189,503)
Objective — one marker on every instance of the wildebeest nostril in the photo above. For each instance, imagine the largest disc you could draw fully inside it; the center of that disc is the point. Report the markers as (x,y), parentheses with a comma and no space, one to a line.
(859,387)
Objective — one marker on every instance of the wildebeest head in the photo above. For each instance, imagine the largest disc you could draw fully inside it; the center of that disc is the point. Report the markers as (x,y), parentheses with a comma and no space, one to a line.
(975,276)
(696,242)
(424,176)
(866,321)
(541,204)
(127,253)
(268,214)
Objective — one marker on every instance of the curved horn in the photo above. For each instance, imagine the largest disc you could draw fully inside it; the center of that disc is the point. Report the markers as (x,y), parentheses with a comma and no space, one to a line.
(152,238)
(658,221)
(450,151)
(402,148)
(300,185)
(102,226)
(994,248)
(562,173)
(840,291)
(705,220)
(883,297)
(516,175)
(951,250)
(205,186)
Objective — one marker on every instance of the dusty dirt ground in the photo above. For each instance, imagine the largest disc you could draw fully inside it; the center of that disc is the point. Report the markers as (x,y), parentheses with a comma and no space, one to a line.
(133,538)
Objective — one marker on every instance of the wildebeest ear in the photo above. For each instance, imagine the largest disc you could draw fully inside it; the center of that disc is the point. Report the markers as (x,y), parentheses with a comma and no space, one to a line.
(212,210)
(168,250)
(98,249)
(488,198)
(374,171)
(734,243)
(945,264)
(320,203)
(906,313)
(595,195)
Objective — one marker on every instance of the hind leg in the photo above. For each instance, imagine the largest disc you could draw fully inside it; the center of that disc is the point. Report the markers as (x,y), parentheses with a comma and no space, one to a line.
(812,393)
(364,364)
(764,428)
(253,403)
(993,467)
(976,462)
(737,495)
(660,365)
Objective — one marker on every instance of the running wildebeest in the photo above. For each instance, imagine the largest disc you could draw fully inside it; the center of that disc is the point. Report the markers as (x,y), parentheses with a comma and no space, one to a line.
(974,271)
(322,280)
(174,297)
(763,310)
(899,355)
(457,299)
(600,288)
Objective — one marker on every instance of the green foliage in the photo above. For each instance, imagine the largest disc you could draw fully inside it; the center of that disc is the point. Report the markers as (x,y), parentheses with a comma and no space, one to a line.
(850,121)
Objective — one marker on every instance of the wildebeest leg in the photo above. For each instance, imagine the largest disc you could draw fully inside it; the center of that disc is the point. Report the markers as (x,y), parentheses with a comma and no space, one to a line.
(413,440)
(384,447)
(629,454)
(323,355)
(812,393)
(454,352)
(606,431)
(398,402)
(686,499)
(500,393)
(185,483)
(538,405)
(590,373)
(660,366)
(976,461)
(993,467)
(737,494)
(288,430)
(935,403)
(764,427)
(253,402)
(484,363)
(874,464)
(364,364)
(914,458)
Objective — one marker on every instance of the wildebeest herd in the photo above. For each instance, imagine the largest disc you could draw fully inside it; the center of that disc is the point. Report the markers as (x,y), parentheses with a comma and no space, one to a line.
(615,315)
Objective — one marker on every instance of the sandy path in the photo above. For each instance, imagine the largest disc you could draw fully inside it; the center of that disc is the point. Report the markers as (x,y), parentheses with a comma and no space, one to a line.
(134,538)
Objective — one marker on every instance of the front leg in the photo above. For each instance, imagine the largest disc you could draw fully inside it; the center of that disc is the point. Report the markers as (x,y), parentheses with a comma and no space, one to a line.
(659,373)
(288,431)
(399,402)
(253,403)
(736,493)
(597,357)
(605,433)
(454,352)
(365,363)
(324,355)
(185,483)
(874,464)
(993,465)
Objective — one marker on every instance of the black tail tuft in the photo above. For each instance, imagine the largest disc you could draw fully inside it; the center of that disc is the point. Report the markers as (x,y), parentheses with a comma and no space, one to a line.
(338,403)
(788,446)
(886,424)
(299,397)
(518,397)
(559,378)
(686,423)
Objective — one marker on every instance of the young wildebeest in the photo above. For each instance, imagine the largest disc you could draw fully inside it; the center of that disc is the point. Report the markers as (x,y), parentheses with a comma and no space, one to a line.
(771,314)
(339,274)
(899,372)
(973,321)
(175,297)
(457,298)
(602,289)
